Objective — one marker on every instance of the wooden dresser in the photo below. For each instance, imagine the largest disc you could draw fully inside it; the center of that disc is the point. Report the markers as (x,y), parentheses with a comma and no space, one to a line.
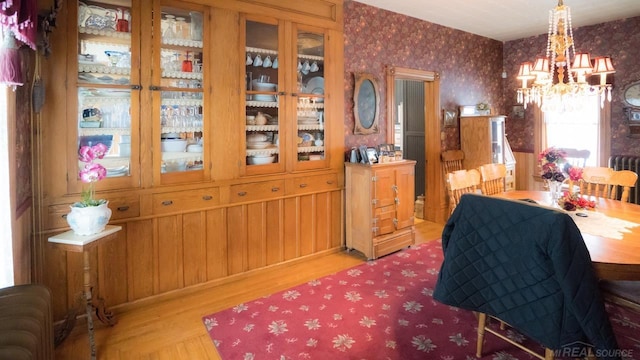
(379,207)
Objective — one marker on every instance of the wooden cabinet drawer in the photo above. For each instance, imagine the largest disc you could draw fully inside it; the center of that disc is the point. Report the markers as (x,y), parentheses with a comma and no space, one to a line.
(305,184)
(383,220)
(57,216)
(183,201)
(124,207)
(387,244)
(121,208)
(256,191)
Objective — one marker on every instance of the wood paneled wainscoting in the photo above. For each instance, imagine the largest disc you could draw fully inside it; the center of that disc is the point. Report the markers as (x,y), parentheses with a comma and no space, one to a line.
(177,248)
(173,328)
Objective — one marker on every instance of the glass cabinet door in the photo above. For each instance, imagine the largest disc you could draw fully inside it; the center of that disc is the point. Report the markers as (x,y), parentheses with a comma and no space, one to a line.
(497,140)
(263,141)
(310,122)
(180,108)
(106,87)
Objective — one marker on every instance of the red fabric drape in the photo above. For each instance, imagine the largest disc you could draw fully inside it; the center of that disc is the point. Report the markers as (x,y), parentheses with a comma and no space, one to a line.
(17,21)
(20,17)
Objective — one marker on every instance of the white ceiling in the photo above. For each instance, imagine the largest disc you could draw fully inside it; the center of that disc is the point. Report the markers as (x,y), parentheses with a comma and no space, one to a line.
(506,20)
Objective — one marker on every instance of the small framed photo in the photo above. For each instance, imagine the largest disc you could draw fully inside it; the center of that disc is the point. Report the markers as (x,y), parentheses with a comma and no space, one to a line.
(633,115)
(385,148)
(372,155)
(364,159)
(449,118)
(517,111)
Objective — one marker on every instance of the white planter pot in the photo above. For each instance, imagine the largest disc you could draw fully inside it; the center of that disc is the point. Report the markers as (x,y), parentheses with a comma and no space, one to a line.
(89,220)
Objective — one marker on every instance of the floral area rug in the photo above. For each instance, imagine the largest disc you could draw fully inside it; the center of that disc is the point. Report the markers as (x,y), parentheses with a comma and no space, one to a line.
(382,309)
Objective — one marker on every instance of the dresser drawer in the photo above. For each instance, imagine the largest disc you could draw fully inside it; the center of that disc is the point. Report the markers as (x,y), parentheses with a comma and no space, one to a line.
(121,208)
(124,207)
(57,216)
(256,191)
(305,184)
(184,201)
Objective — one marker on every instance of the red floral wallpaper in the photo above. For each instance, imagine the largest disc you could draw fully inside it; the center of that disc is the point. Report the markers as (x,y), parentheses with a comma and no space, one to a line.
(619,39)
(470,66)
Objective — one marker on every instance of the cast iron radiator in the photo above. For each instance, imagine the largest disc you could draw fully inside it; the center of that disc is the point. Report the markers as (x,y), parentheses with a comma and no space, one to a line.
(620,162)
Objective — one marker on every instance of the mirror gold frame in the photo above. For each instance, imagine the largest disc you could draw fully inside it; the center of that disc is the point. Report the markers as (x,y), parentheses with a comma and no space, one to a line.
(366,105)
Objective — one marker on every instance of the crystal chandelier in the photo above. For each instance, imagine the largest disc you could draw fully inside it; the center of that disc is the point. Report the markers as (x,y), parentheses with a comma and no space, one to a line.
(571,89)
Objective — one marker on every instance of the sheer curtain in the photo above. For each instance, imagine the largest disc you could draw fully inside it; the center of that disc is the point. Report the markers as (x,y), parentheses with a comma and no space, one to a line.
(601,142)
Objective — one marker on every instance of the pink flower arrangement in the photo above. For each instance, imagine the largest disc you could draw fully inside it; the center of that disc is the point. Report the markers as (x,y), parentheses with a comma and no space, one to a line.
(571,202)
(575,173)
(551,163)
(91,173)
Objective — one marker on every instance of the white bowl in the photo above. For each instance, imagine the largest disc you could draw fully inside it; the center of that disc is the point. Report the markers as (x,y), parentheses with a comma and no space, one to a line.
(174,145)
(179,165)
(260,160)
(258,144)
(194,148)
(256,137)
(262,86)
(266,98)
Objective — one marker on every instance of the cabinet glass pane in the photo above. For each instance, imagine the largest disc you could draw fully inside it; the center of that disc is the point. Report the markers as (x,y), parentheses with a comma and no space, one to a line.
(182,98)
(310,106)
(104,90)
(497,141)
(104,48)
(262,102)
(104,117)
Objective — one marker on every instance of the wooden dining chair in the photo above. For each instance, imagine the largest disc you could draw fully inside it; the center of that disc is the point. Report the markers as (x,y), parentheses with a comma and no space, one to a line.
(492,178)
(576,157)
(625,293)
(461,182)
(604,182)
(451,160)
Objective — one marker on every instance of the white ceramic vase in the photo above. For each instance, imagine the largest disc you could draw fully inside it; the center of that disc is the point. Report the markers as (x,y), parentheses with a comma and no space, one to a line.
(89,220)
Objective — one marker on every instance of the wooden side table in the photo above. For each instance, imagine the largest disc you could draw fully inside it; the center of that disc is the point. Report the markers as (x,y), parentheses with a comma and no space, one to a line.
(71,242)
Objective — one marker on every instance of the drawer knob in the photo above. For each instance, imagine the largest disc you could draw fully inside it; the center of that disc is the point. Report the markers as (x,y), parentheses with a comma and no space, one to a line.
(275,189)
(207,197)
(123,208)
(330,182)
(167,202)
(303,185)
(242,193)
(64,216)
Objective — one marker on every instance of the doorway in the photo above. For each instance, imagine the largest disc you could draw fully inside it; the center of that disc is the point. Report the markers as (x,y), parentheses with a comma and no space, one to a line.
(429,130)
(409,126)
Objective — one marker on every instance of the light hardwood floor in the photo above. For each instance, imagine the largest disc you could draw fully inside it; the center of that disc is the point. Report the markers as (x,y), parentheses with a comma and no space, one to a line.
(172,328)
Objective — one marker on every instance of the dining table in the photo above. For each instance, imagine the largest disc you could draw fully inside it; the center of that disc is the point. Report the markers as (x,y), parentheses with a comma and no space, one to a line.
(611,232)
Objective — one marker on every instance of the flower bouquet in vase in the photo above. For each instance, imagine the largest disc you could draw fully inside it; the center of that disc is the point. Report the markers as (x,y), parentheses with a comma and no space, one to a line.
(551,163)
(90,216)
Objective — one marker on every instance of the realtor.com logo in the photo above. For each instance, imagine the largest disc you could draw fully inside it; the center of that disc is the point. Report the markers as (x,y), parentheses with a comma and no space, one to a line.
(580,349)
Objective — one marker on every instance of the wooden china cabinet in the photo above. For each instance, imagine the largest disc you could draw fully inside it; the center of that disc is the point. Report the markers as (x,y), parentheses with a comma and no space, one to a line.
(224,125)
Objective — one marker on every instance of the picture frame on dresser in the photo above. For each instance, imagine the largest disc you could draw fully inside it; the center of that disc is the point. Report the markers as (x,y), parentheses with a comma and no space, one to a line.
(372,155)
(364,159)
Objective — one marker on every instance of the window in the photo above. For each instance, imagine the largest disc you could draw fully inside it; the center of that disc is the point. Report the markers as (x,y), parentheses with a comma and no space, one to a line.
(6,248)
(577,129)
